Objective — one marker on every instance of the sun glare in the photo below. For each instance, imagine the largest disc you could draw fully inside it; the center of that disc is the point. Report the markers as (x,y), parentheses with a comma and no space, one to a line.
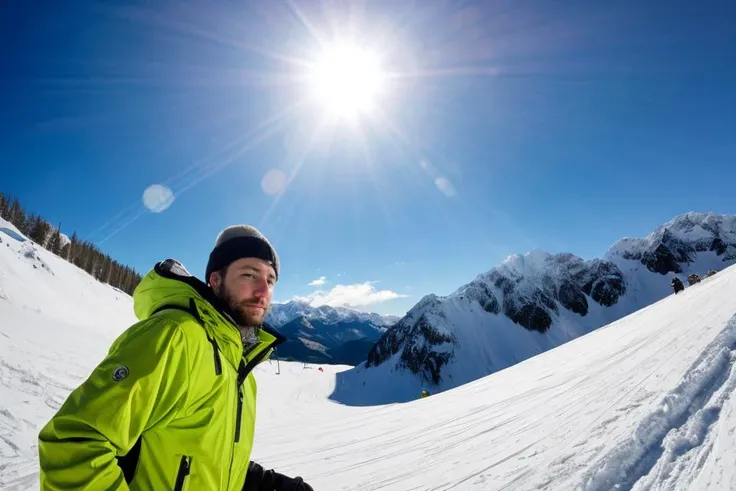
(347,81)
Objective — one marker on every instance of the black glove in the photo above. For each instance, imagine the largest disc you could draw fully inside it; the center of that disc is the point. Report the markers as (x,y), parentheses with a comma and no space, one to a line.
(284,483)
(259,479)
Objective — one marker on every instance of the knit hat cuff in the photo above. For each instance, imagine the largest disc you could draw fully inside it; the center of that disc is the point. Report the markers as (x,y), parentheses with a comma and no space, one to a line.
(238,248)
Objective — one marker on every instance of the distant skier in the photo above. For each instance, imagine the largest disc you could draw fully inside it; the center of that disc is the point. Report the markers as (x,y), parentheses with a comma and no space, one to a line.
(424,394)
(677,285)
(172,405)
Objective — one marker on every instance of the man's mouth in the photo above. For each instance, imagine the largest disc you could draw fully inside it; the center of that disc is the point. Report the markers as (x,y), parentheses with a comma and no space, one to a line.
(255,306)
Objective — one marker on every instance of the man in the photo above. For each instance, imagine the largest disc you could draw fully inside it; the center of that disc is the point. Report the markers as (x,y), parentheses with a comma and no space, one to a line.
(172,406)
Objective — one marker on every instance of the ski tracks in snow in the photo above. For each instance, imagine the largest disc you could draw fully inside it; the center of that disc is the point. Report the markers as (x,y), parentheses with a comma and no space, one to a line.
(673,441)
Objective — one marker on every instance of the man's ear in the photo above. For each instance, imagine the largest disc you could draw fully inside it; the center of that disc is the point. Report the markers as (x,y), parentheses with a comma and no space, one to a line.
(215,279)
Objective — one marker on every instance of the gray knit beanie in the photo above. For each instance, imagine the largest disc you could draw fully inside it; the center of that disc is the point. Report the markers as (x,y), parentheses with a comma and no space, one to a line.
(239,241)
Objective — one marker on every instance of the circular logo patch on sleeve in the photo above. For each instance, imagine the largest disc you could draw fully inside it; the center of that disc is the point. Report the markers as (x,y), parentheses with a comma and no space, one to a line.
(120,373)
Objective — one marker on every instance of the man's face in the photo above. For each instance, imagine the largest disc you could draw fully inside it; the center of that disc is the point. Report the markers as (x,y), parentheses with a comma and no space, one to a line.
(246,287)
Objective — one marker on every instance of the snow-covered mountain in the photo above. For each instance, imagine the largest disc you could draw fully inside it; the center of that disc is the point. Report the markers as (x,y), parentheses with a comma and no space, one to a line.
(326,334)
(281,313)
(534,302)
(315,341)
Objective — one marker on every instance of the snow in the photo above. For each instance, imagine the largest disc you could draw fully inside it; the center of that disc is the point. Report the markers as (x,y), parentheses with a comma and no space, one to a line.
(677,425)
(56,324)
(644,403)
(283,313)
(64,240)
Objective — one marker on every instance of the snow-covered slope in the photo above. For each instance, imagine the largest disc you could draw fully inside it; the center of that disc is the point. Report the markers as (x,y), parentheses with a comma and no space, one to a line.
(56,323)
(534,302)
(646,403)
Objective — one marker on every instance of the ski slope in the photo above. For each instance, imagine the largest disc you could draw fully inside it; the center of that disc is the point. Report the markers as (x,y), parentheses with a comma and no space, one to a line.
(644,403)
(56,324)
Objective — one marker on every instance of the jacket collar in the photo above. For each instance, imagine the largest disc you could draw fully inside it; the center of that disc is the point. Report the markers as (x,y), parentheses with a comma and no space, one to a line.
(169,283)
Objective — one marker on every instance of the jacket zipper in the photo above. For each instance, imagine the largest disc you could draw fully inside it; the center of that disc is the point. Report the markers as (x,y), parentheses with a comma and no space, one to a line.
(243,371)
(239,413)
(216,351)
(184,468)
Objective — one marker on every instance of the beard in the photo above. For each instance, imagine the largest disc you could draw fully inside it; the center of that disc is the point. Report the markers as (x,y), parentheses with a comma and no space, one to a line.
(240,312)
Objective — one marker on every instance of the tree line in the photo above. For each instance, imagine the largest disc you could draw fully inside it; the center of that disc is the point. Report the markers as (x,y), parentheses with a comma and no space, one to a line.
(83,254)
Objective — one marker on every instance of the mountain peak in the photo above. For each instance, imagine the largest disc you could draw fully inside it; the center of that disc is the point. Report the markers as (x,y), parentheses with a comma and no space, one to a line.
(535,301)
(679,241)
(282,313)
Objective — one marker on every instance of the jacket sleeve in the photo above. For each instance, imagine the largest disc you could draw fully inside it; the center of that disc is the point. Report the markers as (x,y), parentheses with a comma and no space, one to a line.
(138,385)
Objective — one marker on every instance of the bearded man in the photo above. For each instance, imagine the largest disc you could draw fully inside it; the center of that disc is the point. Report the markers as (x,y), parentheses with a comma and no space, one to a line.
(173,403)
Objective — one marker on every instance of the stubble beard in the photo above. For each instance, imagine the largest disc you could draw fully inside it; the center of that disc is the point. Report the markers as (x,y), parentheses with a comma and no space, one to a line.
(243,317)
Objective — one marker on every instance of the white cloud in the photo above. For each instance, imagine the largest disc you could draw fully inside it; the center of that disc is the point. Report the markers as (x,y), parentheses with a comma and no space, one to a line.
(318,282)
(356,295)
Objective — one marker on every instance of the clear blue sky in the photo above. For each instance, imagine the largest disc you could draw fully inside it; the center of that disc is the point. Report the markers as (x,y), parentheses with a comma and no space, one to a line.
(554,125)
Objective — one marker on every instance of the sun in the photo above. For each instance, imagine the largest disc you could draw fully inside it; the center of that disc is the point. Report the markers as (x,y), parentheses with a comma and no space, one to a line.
(347,81)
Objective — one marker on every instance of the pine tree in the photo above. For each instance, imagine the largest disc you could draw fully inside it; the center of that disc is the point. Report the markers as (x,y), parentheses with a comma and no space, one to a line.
(90,261)
(65,251)
(99,265)
(77,258)
(73,247)
(4,207)
(81,257)
(54,242)
(85,256)
(124,280)
(18,217)
(38,229)
(136,281)
(13,210)
(129,280)
(34,227)
(105,269)
(116,274)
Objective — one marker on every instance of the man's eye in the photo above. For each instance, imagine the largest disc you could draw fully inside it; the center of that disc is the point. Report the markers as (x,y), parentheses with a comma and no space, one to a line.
(247,275)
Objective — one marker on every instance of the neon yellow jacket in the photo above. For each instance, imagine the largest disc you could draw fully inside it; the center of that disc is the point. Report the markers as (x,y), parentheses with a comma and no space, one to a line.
(164,409)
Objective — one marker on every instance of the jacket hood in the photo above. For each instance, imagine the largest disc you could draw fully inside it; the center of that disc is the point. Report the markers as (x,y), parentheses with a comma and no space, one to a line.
(170,284)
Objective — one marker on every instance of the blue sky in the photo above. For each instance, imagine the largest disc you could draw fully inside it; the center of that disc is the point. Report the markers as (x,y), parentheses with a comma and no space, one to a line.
(502,127)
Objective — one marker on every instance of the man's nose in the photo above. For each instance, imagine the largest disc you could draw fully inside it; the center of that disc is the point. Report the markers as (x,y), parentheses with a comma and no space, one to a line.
(261,289)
